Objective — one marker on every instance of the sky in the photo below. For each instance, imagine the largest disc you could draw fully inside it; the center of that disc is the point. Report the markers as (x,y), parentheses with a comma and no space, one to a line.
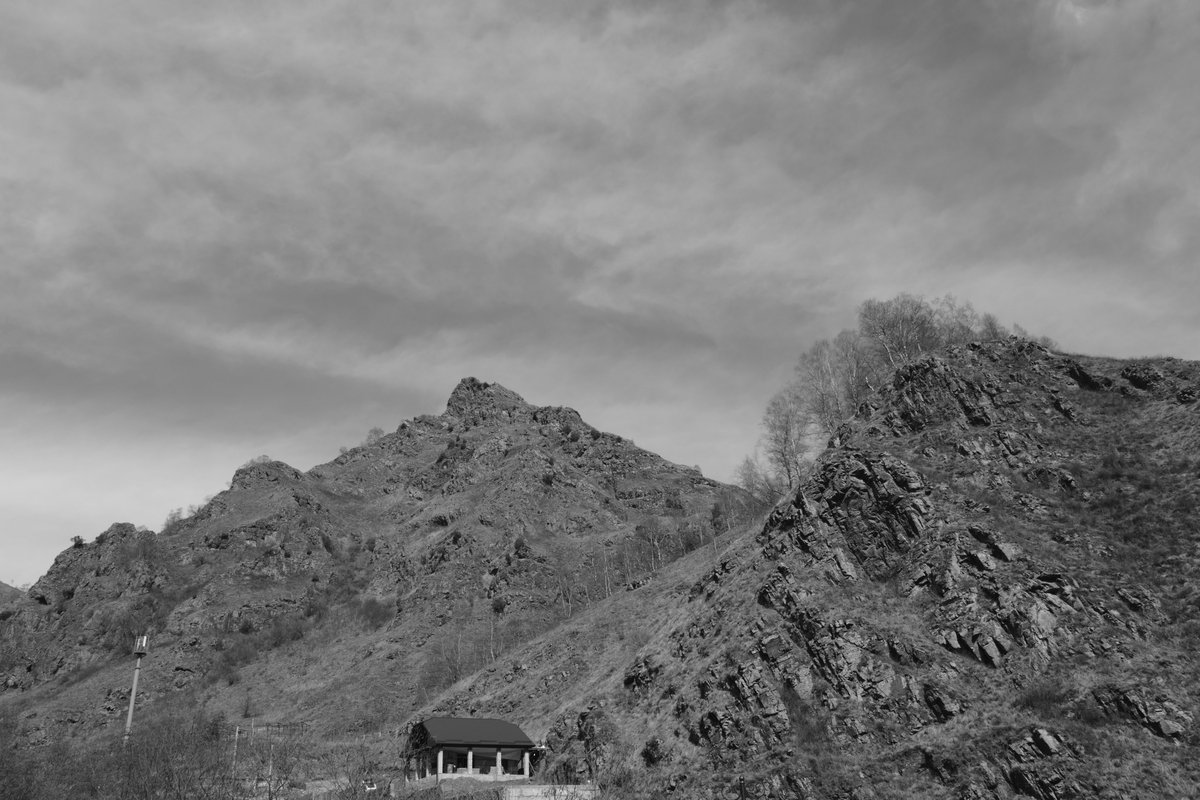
(231,229)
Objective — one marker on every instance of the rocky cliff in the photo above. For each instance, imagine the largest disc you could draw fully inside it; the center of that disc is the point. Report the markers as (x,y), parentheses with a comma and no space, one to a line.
(406,563)
(986,588)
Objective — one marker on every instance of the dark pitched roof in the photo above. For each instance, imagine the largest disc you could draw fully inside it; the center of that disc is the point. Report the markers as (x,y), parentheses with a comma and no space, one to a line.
(473,730)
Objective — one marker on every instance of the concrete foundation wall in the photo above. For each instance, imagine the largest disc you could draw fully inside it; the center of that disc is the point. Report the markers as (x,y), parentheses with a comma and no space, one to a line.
(551,792)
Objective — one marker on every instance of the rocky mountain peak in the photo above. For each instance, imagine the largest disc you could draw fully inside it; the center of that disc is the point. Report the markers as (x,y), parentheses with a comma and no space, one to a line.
(983,589)
(262,472)
(474,401)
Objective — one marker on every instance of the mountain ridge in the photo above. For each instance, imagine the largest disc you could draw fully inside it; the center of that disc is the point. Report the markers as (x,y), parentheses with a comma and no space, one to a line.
(982,590)
(927,616)
(459,535)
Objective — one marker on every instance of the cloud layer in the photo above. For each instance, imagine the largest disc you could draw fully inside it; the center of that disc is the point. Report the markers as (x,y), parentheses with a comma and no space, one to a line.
(229,229)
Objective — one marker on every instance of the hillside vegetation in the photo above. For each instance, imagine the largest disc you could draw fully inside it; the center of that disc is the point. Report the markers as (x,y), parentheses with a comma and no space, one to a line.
(345,597)
(984,588)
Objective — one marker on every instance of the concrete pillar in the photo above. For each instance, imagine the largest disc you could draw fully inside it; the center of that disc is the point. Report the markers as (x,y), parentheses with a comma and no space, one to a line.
(499,769)
(439,772)
(525,763)
(470,760)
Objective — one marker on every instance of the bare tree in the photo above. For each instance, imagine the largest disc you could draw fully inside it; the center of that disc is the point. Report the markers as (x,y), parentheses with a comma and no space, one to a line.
(784,424)
(756,479)
(957,322)
(835,377)
(903,327)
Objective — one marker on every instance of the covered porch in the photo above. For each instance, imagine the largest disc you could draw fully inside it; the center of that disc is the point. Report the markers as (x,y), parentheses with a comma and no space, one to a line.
(445,748)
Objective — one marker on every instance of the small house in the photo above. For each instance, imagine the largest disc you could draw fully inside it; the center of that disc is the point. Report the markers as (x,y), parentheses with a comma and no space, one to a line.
(460,747)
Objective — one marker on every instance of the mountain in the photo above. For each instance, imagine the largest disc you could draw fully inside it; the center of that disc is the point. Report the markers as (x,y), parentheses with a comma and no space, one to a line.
(345,596)
(986,588)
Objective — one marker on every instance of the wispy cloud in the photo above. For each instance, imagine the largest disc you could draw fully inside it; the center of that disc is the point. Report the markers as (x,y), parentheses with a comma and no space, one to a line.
(275,225)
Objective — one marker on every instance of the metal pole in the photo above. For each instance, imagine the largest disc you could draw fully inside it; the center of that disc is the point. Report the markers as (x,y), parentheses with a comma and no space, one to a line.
(132,696)
(233,770)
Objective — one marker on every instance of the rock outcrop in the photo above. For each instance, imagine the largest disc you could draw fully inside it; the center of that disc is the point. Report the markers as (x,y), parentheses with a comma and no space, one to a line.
(984,589)
(437,547)
(939,605)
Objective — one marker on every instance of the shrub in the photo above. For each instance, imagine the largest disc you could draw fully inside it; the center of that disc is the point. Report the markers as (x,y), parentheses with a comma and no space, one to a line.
(521,548)
(1044,697)
(174,517)
(224,671)
(316,605)
(809,722)
(376,613)
(284,630)
(654,752)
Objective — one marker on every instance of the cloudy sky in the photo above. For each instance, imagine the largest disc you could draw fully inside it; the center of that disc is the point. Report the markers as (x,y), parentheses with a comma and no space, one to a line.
(235,228)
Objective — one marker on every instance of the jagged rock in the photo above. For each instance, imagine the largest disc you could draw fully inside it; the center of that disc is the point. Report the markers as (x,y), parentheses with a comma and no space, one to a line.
(941,702)
(982,560)
(860,509)
(642,674)
(1085,379)
(1041,765)
(1068,409)
(1005,551)
(928,391)
(1160,715)
(1051,477)
(474,402)
(266,472)
(907,653)
(1143,376)
(878,632)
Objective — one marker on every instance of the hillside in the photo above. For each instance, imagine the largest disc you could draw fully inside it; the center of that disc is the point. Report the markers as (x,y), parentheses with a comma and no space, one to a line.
(985,589)
(345,596)
(8,593)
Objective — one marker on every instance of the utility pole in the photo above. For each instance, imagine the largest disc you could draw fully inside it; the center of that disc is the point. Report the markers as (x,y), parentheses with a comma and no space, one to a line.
(140,646)
(233,770)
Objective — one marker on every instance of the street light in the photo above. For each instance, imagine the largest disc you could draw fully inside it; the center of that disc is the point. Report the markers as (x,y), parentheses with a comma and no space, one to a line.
(140,646)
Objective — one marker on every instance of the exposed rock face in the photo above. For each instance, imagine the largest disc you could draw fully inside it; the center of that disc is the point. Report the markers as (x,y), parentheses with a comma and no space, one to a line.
(861,514)
(985,589)
(440,546)
(931,585)
(475,402)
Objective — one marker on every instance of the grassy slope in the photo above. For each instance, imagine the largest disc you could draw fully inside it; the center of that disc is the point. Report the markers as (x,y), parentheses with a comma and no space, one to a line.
(1102,491)
(332,597)
(731,684)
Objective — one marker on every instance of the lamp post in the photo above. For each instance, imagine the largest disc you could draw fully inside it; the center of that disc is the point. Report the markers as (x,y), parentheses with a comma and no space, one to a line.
(139,649)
